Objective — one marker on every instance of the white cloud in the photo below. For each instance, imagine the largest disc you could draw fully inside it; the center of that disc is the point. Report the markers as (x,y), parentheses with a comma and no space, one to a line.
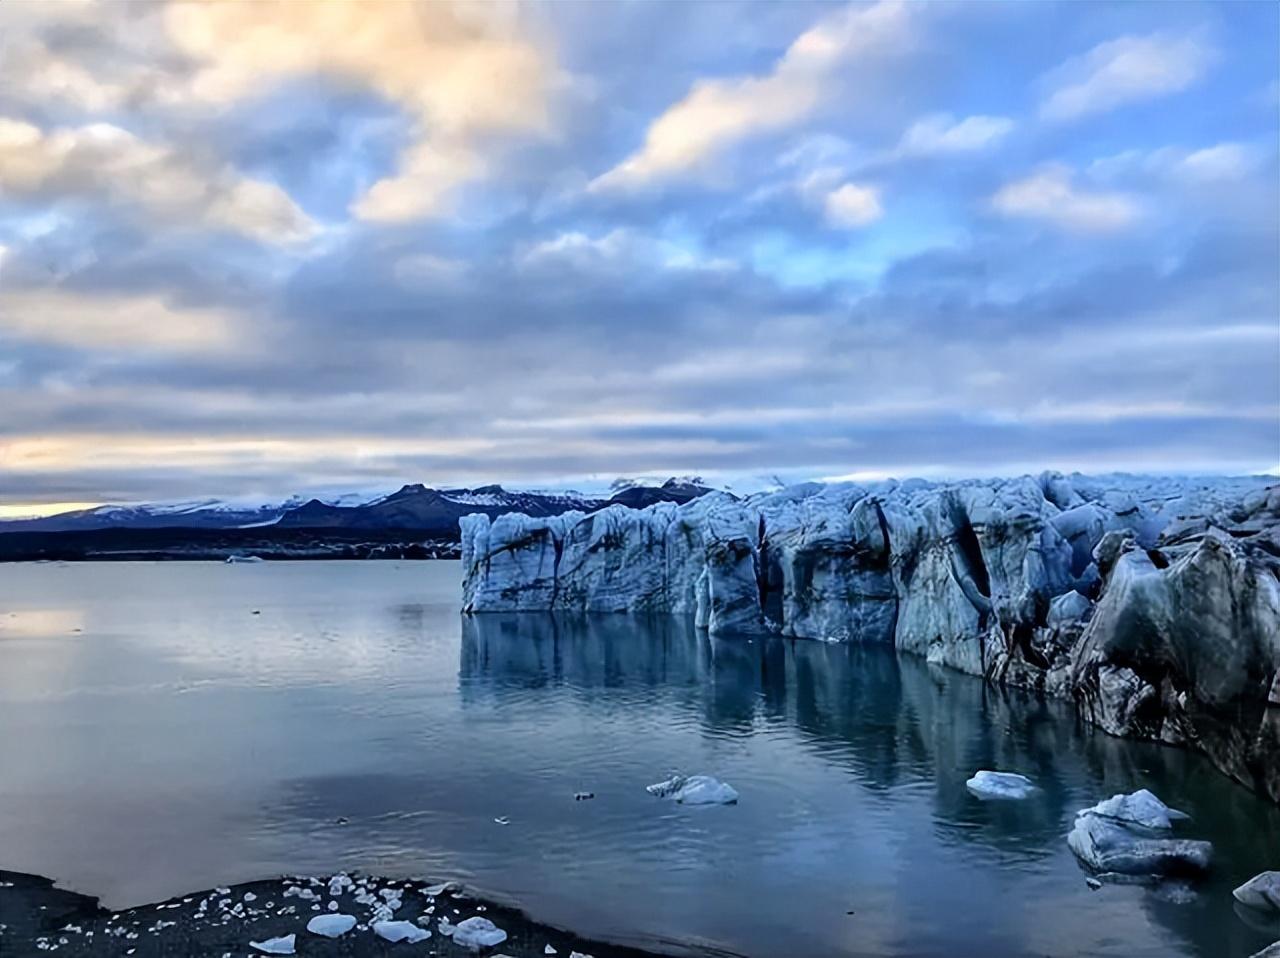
(1226,161)
(121,68)
(460,72)
(719,113)
(851,206)
(619,249)
(1050,195)
(844,204)
(125,324)
(1125,70)
(102,160)
(1222,162)
(942,133)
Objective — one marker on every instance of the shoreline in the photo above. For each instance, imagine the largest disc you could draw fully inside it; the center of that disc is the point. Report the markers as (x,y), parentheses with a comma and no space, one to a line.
(39,918)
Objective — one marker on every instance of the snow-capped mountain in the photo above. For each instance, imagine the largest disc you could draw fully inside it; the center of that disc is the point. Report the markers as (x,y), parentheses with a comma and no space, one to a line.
(412,507)
(188,514)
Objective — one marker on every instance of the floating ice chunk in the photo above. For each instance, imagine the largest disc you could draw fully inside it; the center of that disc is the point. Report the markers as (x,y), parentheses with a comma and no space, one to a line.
(275,946)
(338,884)
(237,560)
(394,931)
(502,820)
(331,926)
(987,784)
(478,933)
(1262,891)
(705,790)
(1112,845)
(1139,808)
(666,789)
(548,950)
(695,790)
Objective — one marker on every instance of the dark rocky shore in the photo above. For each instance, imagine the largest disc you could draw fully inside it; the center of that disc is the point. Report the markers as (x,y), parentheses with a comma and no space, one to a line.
(37,918)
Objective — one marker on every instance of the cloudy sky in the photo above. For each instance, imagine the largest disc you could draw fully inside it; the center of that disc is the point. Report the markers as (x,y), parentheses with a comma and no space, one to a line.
(264,248)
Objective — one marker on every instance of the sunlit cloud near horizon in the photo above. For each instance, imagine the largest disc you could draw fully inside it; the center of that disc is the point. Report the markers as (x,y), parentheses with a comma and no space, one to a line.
(274,248)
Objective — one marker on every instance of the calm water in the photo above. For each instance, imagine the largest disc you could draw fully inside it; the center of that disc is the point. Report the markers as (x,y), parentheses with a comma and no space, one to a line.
(157,737)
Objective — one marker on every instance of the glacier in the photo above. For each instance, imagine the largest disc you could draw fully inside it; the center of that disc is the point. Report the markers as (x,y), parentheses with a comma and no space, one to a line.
(1153,602)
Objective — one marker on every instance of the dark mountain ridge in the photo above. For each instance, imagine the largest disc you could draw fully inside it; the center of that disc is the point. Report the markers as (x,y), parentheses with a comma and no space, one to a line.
(415,521)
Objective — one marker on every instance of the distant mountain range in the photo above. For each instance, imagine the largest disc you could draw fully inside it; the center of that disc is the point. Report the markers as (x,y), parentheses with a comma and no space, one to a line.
(195,514)
(407,523)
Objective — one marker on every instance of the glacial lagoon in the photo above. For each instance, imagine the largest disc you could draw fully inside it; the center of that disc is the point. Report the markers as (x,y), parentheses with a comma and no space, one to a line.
(171,727)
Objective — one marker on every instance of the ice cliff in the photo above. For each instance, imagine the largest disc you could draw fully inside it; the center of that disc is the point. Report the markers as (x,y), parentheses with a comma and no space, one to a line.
(1153,602)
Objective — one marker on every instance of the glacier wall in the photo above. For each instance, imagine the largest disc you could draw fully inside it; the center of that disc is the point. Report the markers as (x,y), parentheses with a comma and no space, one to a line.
(1153,602)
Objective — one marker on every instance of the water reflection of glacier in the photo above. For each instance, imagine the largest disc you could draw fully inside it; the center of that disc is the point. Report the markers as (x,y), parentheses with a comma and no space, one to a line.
(899,728)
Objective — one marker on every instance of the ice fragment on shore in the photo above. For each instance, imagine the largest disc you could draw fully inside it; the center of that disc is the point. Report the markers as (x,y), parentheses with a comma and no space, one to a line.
(394,931)
(331,926)
(275,946)
(478,933)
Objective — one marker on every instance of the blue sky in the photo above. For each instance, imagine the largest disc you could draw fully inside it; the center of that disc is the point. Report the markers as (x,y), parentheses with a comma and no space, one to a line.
(270,248)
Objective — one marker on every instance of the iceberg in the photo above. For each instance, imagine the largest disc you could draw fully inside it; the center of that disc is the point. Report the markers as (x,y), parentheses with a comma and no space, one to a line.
(1150,602)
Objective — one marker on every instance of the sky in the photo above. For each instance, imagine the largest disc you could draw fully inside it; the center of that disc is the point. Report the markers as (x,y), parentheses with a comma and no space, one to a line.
(270,248)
